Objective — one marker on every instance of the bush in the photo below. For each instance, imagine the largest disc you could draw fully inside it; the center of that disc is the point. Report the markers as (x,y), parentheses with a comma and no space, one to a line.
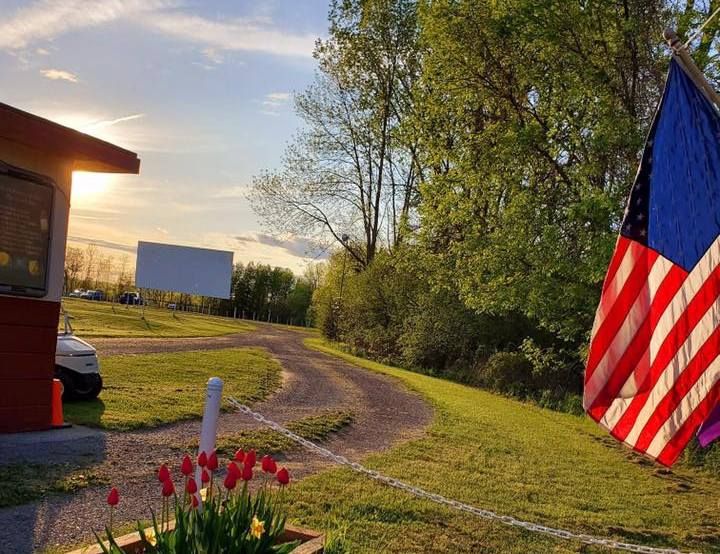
(508,373)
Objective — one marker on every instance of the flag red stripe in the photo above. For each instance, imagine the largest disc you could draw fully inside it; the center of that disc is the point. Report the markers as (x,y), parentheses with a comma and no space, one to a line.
(620,248)
(615,317)
(638,346)
(697,366)
(676,338)
(675,446)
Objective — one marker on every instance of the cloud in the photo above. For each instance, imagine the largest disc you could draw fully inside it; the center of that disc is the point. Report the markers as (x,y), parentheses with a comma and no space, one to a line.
(295,246)
(273,102)
(104,243)
(59,75)
(48,19)
(231,34)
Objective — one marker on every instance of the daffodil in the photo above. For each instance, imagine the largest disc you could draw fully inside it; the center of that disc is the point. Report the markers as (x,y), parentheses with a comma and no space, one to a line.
(150,536)
(257,527)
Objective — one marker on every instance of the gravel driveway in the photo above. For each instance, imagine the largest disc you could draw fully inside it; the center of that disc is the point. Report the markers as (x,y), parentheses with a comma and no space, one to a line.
(384,413)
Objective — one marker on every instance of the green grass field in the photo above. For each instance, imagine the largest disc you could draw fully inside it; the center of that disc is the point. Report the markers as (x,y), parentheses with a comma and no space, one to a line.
(103,319)
(514,458)
(147,390)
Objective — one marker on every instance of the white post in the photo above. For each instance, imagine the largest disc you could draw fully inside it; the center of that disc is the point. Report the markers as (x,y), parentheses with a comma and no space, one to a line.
(208,431)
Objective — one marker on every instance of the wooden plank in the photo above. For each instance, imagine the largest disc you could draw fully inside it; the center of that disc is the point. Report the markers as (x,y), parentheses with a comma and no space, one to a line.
(25,392)
(26,365)
(29,312)
(28,340)
(88,152)
(313,542)
(26,418)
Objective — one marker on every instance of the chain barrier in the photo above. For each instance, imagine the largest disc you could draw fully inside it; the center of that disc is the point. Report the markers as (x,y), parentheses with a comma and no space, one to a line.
(439,499)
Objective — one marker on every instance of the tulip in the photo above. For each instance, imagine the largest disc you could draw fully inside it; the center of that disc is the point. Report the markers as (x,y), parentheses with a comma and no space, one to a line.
(204,476)
(194,501)
(283,476)
(268,464)
(250,458)
(168,488)
(113,497)
(212,462)
(202,459)
(247,473)
(163,474)
(191,487)
(230,481)
(240,455)
(186,467)
(234,469)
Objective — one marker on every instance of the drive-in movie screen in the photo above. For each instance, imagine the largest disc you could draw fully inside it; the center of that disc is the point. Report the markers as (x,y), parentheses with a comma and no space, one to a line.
(25,208)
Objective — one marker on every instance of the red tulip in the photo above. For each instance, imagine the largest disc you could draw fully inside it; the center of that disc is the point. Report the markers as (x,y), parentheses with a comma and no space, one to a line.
(163,473)
(202,459)
(230,481)
(283,476)
(212,463)
(240,455)
(191,487)
(186,467)
(205,476)
(268,464)
(247,473)
(168,488)
(194,501)
(234,469)
(113,497)
(250,458)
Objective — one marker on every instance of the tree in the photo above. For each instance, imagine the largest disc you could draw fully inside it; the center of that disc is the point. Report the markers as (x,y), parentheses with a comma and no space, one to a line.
(74,264)
(532,115)
(350,176)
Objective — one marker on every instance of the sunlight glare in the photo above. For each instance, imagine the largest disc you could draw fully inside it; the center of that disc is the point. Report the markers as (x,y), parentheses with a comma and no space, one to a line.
(87,186)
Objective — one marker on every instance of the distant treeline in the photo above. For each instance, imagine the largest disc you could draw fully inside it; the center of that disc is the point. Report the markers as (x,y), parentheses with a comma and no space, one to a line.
(258,291)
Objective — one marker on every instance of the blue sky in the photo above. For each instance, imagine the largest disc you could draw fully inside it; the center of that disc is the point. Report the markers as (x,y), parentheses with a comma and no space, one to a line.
(202,90)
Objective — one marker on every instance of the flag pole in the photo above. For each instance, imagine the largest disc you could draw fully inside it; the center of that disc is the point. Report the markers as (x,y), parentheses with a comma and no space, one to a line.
(683,57)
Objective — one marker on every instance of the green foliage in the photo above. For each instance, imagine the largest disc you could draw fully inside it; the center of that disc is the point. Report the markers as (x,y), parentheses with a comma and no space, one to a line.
(223,526)
(147,390)
(508,372)
(270,294)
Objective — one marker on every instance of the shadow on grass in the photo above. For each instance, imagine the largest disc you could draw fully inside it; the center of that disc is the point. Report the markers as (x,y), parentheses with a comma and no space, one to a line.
(86,412)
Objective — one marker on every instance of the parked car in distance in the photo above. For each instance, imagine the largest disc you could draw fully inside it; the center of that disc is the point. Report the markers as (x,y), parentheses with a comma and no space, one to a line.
(131,298)
(172,306)
(77,293)
(93,295)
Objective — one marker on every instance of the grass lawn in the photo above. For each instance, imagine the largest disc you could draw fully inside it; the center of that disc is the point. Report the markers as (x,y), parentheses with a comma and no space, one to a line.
(27,482)
(516,459)
(266,441)
(146,390)
(103,319)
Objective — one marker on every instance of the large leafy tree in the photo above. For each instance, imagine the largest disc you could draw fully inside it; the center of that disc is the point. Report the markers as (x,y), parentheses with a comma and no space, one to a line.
(532,115)
(350,175)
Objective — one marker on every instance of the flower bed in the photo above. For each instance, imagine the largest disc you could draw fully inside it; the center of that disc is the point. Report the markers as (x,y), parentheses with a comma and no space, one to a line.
(217,519)
(312,542)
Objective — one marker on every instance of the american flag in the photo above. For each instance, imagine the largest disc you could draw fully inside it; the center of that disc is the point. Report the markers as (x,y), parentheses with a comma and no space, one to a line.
(653,371)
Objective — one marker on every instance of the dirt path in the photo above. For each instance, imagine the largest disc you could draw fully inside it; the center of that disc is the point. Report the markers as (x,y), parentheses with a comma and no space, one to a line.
(384,413)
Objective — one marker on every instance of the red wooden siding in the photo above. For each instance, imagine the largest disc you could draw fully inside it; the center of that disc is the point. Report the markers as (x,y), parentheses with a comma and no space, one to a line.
(28,335)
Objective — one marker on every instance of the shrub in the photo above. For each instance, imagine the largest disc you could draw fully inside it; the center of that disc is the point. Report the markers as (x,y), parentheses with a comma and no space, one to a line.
(509,373)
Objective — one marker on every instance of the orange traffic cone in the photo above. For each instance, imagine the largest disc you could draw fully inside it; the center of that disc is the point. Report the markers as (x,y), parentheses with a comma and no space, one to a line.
(56,406)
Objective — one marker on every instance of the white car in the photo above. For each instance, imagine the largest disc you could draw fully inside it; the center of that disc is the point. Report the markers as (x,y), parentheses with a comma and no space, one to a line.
(77,366)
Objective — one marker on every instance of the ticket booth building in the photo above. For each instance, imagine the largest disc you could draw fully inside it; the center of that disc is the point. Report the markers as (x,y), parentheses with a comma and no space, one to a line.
(37,159)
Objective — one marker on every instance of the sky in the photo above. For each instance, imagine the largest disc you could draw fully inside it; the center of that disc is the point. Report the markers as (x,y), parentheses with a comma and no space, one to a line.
(202,90)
